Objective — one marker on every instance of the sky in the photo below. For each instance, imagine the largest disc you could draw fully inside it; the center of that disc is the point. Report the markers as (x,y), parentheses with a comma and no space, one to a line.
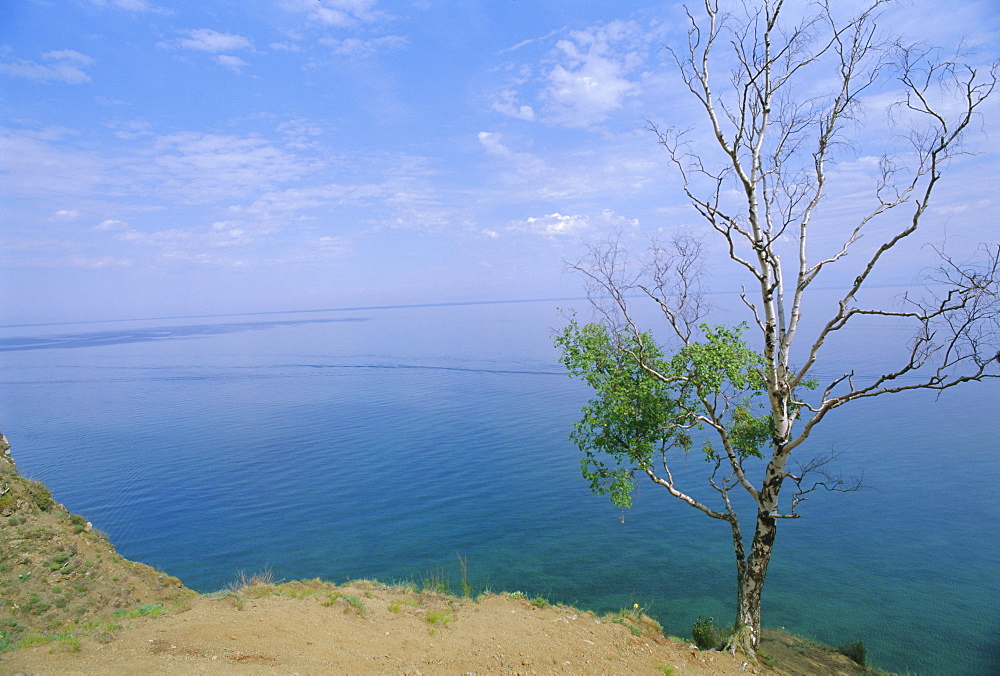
(226,156)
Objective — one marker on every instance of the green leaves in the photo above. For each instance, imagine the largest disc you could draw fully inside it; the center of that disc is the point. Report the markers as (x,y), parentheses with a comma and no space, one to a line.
(646,402)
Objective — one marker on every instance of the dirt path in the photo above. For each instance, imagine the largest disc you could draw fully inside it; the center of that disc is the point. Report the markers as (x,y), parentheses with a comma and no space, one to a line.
(369,629)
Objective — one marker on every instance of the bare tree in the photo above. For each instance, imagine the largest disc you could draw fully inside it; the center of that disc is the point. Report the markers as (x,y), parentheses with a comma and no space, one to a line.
(762,182)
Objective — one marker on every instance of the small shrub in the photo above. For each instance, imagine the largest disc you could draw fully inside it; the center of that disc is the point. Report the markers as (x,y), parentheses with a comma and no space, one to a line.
(669,671)
(703,634)
(540,602)
(856,651)
(40,495)
(263,578)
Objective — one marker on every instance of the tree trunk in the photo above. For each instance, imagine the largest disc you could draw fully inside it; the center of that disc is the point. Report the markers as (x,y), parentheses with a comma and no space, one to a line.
(750,584)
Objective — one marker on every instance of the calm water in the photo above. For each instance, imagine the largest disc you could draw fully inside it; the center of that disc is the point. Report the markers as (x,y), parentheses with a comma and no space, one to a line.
(381,443)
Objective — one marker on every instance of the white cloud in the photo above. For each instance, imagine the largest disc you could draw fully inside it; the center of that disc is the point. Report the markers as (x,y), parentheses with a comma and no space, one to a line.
(111,225)
(505,101)
(127,5)
(585,76)
(44,164)
(68,55)
(592,80)
(208,40)
(553,224)
(300,133)
(335,12)
(101,262)
(493,145)
(561,225)
(66,66)
(67,214)
(358,48)
(204,167)
(234,63)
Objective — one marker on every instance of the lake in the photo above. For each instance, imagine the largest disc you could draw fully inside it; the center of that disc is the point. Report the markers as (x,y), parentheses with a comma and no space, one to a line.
(386,442)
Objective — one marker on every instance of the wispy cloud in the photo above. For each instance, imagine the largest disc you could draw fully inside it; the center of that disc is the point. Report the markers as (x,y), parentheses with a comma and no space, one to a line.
(208,40)
(359,48)
(336,12)
(623,166)
(128,5)
(505,101)
(100,262)
(234,63)
(64,65)
(42,163)
(205,167)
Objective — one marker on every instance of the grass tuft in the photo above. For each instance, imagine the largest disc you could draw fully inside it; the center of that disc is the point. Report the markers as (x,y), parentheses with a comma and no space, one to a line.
(436,583)
(444,617)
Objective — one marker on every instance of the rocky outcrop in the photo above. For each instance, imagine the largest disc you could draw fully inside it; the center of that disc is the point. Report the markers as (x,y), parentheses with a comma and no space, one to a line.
(5,458)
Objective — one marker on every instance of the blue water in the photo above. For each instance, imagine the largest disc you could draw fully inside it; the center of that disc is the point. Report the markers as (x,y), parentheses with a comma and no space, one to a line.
(382,442)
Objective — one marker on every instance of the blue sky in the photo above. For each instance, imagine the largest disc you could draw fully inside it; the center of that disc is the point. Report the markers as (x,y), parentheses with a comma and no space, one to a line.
(173,158)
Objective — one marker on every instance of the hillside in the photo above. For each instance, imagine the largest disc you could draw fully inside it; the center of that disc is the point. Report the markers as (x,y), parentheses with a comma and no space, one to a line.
(60,575)
(71,604)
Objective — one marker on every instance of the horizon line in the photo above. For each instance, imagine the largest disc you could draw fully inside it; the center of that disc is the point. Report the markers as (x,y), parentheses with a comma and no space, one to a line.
(291,312)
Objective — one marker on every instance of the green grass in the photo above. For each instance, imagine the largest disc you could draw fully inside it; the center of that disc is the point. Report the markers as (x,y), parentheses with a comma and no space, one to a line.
(636,621)
(444,618)
(436,583)
(397,605)
(463,564)
(356,603)
(145,610)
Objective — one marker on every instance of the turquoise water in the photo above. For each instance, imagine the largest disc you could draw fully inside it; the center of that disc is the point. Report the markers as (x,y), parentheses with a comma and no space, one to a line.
(383,442)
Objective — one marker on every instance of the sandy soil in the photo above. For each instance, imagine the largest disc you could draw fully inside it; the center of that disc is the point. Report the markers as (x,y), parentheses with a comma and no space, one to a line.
(366,628)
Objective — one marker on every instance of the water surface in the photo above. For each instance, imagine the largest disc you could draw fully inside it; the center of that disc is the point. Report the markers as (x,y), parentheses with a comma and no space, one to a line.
(382,442)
